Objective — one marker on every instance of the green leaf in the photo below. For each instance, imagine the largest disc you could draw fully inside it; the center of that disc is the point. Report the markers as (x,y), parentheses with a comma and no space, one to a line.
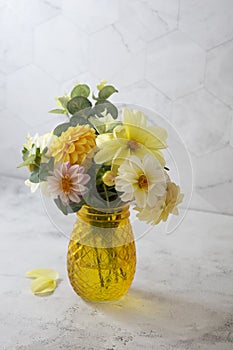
(45,150)
(106,92)
(78,103)
(79,120)
(80,90)
(100,107)
(84,113)
(45,169)
(74,207)
(30,160)
(70,208)
(57,111)
(61,128)
(25,153)
(35,176)
(94,97)
(60,205)
(63,100)
(81,117)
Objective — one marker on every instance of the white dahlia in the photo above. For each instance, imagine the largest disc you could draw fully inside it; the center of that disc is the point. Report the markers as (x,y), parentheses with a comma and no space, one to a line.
(142,181)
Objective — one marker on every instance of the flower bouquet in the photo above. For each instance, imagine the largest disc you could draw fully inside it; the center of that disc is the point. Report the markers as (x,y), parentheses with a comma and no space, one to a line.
(97,163)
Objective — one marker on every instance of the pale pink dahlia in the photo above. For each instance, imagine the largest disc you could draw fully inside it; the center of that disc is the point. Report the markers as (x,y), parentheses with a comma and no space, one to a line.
(68,182)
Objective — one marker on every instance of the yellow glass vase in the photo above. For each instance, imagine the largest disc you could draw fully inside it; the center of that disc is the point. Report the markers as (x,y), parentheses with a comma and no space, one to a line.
(101,257)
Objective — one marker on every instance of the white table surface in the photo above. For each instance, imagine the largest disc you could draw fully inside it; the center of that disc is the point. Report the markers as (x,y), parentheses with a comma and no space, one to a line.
(181,297)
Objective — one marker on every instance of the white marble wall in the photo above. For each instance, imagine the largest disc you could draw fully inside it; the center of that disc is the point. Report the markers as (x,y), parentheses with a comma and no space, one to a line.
(174,56)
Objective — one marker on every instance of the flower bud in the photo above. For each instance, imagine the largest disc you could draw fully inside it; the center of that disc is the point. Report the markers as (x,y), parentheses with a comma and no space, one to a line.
(109,178)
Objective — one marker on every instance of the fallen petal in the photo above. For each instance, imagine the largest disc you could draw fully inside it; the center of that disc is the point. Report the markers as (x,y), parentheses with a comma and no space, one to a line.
(43,285)
(46,273)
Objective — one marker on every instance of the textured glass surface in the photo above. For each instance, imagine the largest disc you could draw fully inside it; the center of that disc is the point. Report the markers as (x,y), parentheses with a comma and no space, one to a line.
(101,258)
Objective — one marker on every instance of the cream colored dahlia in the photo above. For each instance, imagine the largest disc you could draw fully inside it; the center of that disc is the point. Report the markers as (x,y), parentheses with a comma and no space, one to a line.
(166,205)
(75,145)
(173,198)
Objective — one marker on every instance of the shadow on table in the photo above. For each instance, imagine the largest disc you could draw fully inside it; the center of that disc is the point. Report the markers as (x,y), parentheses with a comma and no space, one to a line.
(167,314)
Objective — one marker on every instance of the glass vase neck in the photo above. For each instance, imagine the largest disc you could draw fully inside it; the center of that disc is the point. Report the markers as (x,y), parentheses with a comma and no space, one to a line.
(91,214)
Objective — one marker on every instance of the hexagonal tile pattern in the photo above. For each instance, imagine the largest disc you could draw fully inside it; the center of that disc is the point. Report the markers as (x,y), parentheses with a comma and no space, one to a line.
(132,72)
(171,56)
(215,168)
(36,97)
(203,121)
(91,15)
(175,64)
(213,174)
(145,94)
(148,19)
(208,22)
(16,41)
(109,53)
(219,77)
(131,39)
(220,196)
(60,48)
(36,11)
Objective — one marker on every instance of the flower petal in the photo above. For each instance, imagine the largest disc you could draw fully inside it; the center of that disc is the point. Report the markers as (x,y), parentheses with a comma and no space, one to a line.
(140,198)
(43,285)
(74,197)
(42,272)
(134,118)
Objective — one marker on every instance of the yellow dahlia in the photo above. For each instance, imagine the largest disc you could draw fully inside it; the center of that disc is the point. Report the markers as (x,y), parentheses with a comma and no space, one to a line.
(75,145)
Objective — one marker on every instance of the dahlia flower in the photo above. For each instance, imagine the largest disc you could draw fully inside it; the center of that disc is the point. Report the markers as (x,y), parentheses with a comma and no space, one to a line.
(74,145)
(166,205)
(133,137)
(142,181)
(68,182)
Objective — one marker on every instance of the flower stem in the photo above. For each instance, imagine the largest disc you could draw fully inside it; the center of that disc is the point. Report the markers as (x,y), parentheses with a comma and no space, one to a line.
(99,268)
(106,195)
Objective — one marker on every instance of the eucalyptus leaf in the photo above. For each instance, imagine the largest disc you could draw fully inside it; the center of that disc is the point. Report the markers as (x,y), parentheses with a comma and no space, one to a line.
(60,205)
(61,128)
(34,177)
(74,207)
(70,208)
(79,120)
(78,103)
(57,111)
(84,113)
(80,90)
(106,92)
(45,169)
(101,106)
